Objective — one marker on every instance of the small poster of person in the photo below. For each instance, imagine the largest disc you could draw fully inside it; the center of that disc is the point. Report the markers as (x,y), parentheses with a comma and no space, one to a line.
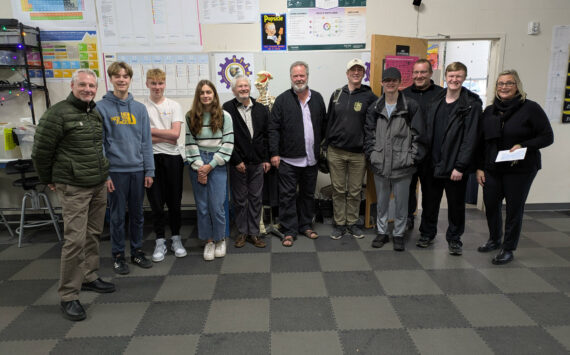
(273,35)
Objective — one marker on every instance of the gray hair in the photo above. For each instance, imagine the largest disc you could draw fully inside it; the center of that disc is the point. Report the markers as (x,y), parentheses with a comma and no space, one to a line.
(518,81)
(299,63)
(238,78)
(76,73)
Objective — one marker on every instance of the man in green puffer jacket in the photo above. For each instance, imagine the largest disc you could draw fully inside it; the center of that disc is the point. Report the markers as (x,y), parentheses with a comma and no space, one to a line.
(68,156)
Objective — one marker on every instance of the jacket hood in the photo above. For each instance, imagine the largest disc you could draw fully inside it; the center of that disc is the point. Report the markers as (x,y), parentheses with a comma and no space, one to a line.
(362,88)
(109,96)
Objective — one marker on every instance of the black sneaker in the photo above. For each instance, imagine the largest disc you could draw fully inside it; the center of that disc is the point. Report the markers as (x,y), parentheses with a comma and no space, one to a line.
(424,241)
(120,265)
(455,247)
(140,260)
(380,240)
(337,232)
(356,231)
(399,244)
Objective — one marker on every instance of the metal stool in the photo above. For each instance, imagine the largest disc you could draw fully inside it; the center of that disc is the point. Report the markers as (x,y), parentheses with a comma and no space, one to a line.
(4,221)
(29,184)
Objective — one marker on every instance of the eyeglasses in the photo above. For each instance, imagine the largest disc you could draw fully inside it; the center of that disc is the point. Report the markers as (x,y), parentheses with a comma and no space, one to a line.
(508,84)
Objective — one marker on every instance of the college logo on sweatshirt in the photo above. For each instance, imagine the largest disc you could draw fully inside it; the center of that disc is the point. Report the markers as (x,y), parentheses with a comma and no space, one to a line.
(126,118)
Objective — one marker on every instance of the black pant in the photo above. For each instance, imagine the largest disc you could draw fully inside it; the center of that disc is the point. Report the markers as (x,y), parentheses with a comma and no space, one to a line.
(514,189)
(247,189)
(296,209)
(166,188)
(432,191)
(412,197)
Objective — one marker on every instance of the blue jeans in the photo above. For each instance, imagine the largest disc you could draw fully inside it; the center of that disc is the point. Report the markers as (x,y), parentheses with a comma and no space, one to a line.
(210,199)
(129,191)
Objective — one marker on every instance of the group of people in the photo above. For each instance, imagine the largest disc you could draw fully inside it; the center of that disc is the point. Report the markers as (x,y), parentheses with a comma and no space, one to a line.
(95,155)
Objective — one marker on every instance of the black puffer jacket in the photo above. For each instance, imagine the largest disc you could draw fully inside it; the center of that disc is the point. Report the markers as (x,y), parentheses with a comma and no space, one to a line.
(68,144)
(248,149)
(286,131)
(460,136)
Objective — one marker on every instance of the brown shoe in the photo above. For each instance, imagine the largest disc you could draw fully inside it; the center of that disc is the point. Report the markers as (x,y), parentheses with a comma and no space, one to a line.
(256,241)
(240,241)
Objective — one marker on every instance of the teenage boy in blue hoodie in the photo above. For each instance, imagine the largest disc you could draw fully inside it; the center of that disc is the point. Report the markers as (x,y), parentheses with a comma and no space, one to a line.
(128,146)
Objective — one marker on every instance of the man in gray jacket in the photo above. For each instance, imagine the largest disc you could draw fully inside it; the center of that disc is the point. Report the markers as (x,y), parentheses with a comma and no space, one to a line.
(393,131)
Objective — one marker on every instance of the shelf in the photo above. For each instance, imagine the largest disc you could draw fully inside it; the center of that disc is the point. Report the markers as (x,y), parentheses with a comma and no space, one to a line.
(14,46)
(17,87)
(20,66)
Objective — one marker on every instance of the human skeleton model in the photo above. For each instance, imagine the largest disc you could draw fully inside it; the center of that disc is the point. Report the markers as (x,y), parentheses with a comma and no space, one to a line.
(261,84)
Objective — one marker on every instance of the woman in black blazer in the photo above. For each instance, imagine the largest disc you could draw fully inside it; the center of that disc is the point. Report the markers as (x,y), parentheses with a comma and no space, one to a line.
(512,122)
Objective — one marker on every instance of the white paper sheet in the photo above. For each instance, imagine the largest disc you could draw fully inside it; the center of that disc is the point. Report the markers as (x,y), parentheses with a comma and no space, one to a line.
(505,155)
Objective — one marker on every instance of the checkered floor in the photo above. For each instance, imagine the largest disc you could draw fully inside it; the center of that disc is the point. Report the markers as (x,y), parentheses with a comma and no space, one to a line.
(318,297)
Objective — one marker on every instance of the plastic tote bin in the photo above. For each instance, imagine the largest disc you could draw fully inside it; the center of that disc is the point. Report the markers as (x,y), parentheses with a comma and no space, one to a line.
(25,140)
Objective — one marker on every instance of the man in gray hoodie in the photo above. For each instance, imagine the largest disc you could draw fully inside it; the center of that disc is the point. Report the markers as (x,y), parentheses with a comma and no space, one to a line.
(127,142)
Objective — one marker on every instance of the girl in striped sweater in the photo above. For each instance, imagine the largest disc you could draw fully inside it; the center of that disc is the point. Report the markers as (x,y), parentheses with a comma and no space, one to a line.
(209,146)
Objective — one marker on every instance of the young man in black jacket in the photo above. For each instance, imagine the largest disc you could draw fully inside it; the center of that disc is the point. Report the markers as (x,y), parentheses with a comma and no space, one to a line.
(249,160)
(424,91)
(295,132)
(451,132)
(344,143)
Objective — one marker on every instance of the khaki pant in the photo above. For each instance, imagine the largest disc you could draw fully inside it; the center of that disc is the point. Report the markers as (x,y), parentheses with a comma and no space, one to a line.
(347,171)
(83,217)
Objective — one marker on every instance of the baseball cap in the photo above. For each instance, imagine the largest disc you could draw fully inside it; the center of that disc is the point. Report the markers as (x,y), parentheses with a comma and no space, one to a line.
(391,73)
(354,62)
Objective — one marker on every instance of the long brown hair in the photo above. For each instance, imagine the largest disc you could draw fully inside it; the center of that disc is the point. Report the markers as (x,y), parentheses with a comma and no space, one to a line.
(196,113)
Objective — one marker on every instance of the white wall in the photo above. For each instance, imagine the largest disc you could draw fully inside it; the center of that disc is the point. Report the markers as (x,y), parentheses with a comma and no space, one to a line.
(458,19)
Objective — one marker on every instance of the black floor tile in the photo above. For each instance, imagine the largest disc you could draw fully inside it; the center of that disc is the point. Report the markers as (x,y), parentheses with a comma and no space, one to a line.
(253,285)
(558,277)
(22,292)
(250,343)
(11,267)
(95,346)
(195,265)
(390,260)
(346,243)
(294,262)
(174,318)
(377,341)
(547,309)
(37,322)
(428,311)
(462,281)
(352,283)
(132,289)
(521,340)
(299,314)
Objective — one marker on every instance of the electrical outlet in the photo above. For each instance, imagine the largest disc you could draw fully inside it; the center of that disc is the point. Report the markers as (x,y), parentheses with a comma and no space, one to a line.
(533,28)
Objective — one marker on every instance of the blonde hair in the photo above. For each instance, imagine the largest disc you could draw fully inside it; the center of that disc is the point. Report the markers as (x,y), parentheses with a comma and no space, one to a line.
(456,66)
(155,74)
(517,79)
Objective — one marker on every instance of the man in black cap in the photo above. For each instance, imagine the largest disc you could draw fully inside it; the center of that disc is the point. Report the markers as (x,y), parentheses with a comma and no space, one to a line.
(424,91)
(393,131)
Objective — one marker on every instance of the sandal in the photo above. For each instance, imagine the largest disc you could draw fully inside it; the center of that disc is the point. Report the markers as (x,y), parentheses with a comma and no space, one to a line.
(287,241)
(309,233)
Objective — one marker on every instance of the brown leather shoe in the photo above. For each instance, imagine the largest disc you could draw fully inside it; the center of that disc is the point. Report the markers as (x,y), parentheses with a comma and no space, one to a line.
(240,241)
(256,241)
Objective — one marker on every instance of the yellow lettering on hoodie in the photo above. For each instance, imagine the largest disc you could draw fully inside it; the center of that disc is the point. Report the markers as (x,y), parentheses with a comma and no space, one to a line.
(126,118)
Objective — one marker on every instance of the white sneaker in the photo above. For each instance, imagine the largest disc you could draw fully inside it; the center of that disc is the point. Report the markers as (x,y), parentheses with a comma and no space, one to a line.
(209,251)
(159,250)
(220,250)
(177,247)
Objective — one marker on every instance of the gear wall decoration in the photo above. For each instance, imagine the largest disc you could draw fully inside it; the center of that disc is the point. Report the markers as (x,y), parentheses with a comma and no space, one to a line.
(232,67)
